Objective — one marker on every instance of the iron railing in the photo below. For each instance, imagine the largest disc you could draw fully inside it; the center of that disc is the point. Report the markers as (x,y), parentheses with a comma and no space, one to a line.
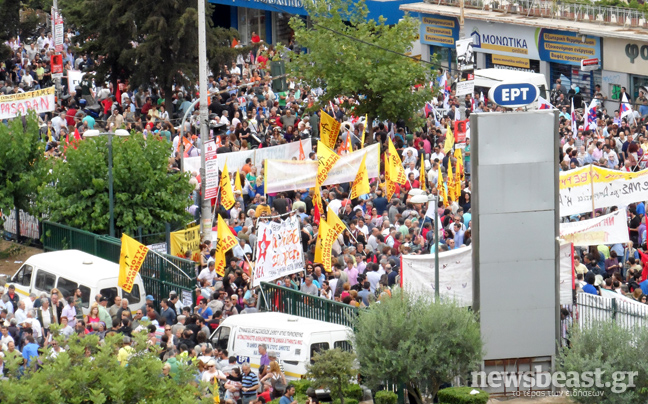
(557,10)
(593,309)
(159,277)
(284,300)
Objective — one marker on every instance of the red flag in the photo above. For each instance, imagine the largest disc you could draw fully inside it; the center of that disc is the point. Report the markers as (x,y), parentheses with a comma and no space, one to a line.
(316,214)
(234,42)
(302,156)
(118,92)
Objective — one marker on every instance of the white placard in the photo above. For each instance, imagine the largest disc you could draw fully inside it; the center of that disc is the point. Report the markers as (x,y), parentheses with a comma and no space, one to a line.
(38,101)
(279,250)
(74,79)
(465,87)
(211,170)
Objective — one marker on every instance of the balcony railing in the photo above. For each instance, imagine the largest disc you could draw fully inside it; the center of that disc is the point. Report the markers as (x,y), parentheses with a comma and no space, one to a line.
(627,17)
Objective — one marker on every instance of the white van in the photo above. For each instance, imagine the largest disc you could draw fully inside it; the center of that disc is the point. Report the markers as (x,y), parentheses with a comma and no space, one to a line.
(294,339)
(68,270)
(487,78)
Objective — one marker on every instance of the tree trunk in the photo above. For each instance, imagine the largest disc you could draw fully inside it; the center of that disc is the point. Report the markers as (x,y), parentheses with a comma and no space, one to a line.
(414,391)
(369,128)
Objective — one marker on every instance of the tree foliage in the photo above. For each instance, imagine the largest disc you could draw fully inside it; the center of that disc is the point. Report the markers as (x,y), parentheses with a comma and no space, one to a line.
(160,37)
(76,377)
(332,370)
(145,194)
(412,340)
(22,163)
(381,79)
(610,348)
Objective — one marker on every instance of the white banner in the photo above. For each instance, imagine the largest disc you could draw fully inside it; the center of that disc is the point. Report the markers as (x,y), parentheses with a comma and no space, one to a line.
(455,274)
(236,160)
(566,274)
(289,175)
(611,188)
(74,79)
(19,104)
(278,250)
(289,345)
(607,229)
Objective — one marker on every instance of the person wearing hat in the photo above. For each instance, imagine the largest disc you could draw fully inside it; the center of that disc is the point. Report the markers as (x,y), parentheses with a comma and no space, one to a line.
(103,312)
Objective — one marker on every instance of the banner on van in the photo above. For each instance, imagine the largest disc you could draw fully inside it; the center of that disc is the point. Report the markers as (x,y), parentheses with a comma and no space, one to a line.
(279,251)
(186,240)
(289,345)
(131,259)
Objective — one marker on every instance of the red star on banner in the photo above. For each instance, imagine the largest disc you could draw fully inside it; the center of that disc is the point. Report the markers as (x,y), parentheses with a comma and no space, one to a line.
(263,245)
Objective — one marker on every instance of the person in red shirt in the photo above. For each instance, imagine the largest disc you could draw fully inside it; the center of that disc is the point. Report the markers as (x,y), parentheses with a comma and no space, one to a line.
(255,38)
(69,116)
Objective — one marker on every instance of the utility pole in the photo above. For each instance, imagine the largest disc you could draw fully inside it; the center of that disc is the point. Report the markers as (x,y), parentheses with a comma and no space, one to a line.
(205,211)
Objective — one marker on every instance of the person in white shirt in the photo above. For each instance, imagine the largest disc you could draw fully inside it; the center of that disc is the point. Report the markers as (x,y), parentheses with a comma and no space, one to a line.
(37,330)
(437,154)
(334,204)
(29,302)
(208,273)
(412,169)
(241,249)
(224,119)
(6,337)
(21,314)
(235,71)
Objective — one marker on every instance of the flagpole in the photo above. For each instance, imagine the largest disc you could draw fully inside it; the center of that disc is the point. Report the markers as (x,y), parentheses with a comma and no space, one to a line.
(164,258)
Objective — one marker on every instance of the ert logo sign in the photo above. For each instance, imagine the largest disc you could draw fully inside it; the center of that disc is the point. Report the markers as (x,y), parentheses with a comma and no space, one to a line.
(513,95)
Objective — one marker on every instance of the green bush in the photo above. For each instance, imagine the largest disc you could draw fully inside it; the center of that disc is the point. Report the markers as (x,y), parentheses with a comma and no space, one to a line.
(461,395)
(346,401)
(353,391)
(301,385)
(301,398)
(275,401)
(385,397)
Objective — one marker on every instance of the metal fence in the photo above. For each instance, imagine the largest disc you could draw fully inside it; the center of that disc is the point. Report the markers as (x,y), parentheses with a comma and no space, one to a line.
(593,309)
(289,301)
(158,275)
(558,10)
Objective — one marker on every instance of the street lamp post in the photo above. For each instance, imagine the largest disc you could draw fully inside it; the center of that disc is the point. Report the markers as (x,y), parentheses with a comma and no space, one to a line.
(111,202)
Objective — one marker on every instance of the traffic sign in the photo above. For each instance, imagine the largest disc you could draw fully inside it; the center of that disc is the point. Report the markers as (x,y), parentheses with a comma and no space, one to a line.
(513,95)
(590,64)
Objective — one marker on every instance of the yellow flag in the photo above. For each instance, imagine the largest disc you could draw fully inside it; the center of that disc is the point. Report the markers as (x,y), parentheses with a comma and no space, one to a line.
(422,178)
(390,188)
(318,248)
(441,188)
(226,241)
(458,175)
(329,129)
(451,186)
(364,130)
(449,141)
(328,237)
(361,183)
(334,221)
(237,182)
(317,199)
(326,159)
(458,155)
(131,259)
(227,195)
(394,168)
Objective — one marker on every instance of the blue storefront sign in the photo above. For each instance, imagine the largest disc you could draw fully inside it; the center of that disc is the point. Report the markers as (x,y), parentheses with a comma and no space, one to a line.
(567,47)
(439,30)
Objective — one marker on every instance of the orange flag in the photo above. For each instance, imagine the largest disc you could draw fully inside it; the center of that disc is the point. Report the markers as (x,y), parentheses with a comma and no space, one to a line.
(302,155)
